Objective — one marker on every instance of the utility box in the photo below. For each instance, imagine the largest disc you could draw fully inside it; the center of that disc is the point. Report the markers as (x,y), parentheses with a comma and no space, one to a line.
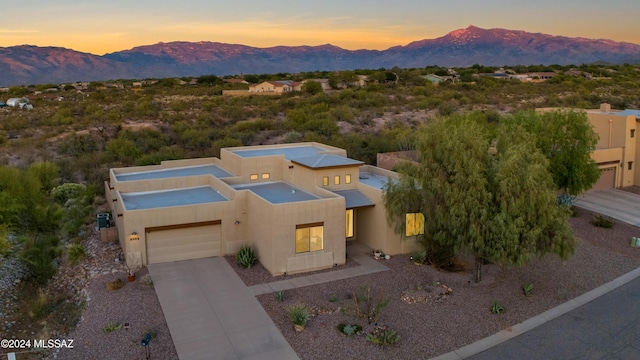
(103,220)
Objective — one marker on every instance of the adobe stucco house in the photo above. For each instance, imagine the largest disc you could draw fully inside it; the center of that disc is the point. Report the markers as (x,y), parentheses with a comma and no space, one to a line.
(272,86)
(617,150)
(296,204)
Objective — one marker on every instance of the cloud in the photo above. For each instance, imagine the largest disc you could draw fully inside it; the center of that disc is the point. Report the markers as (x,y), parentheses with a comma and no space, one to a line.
(11,32)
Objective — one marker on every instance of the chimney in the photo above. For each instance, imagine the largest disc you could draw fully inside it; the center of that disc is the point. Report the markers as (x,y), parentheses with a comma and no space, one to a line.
(605,107)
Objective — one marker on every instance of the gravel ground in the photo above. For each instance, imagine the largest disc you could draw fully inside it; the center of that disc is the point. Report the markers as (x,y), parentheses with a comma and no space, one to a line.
(429,328)
(257,274)
(429,325)
(135,303)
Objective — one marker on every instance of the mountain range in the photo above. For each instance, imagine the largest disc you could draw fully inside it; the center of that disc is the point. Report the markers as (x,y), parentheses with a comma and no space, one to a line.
(26,64)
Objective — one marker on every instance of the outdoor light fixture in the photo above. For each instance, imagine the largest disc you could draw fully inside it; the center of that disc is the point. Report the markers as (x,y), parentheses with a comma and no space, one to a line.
(237,222)
(134,236)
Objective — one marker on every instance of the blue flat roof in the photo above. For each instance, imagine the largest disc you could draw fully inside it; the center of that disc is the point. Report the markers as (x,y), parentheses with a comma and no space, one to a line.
(278,192)
(375,180)
(168,198)
(628,112)
(214,170)
(289,152)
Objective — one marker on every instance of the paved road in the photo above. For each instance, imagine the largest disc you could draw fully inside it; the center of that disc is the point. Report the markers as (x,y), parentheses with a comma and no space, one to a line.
(605,328)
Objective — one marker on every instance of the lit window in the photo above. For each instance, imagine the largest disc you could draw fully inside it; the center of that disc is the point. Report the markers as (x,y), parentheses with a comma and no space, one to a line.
(325,181)
(630,165)
(349,233)
(336,179)
(347,179)
(265,176)
(309,237)
(414,224)
(253,177)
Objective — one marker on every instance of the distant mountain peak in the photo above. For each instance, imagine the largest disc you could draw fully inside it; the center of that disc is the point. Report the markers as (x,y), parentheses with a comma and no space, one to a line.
(27,64)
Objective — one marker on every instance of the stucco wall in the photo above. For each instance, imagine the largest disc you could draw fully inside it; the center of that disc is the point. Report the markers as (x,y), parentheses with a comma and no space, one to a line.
(273,227)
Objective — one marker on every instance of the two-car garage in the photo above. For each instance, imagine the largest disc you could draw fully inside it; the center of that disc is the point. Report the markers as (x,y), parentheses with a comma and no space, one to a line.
(183,242)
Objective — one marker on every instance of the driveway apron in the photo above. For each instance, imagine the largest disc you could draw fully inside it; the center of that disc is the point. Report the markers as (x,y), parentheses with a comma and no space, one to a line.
(211,314)
(618,204)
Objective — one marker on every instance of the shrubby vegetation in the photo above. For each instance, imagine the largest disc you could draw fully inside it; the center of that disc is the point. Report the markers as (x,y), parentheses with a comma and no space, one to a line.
(49,151)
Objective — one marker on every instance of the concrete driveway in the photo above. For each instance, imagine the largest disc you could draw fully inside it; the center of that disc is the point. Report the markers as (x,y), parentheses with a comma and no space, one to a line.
(211,314)
(618,204)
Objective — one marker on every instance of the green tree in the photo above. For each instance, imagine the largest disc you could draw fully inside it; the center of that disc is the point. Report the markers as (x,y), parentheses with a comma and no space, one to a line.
(567,139)
(312,87)
(482,191)
(47,173)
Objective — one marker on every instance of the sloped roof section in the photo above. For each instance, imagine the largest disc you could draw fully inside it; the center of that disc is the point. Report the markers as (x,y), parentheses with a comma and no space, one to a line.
(354,198)
(326,160)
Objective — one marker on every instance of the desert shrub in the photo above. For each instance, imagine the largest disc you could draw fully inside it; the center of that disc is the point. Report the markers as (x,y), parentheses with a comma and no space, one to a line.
(349,329)
(146,280)
(63,193)
(383,336)
(38,254)
(366,306)
(292,137)
(40,306)
(5,246)
(496,308)
(419,257)
(246,257)
(602,221)
(527,289)
(280,296)
(111,327)
(298,314)
(75,252)
(333,298)
(116,284)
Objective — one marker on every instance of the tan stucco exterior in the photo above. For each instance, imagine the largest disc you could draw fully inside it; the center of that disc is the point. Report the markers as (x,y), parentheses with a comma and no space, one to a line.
(243,217)
(617,149)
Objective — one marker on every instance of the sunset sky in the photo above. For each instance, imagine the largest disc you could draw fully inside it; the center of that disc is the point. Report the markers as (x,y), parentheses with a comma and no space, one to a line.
(99,26)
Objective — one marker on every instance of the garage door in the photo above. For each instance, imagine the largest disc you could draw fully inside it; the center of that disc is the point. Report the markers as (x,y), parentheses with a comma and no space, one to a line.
(607,179)
(175,243)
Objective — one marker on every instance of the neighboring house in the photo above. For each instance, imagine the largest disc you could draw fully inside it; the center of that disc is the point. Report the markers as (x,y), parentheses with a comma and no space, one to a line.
(437,79)
(496,75)
(617,152)
(17,102)
(434,79)
(281,86)
(361,80)
(297,205)
(542,75)
(577,72)
(521,77)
